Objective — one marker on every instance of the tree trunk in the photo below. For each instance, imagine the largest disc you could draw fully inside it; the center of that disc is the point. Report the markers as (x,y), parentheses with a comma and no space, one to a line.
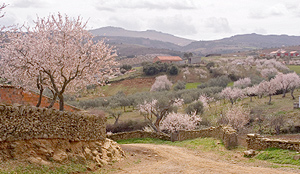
(53,101)
(292,93)
(284,91)
(156,124)
(250,98)
(61,102)
(40,98)
(270,99)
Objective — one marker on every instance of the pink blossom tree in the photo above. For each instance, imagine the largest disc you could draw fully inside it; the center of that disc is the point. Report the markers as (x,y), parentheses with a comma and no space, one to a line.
(251,91)
(61,49)
(268,88)
(161,83)
(237,116)
(160,109)
(287,81)
(175,121)
(232,94)
(242,83)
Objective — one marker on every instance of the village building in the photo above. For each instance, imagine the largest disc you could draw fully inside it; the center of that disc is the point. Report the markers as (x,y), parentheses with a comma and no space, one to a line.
(194,60)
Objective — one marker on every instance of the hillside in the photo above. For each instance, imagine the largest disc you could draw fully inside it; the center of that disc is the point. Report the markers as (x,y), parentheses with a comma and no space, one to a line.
(130,43)
(149,34)
(242,43)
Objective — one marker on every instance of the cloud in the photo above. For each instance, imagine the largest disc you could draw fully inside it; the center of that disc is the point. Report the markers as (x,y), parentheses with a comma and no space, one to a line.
(177,25)
(29,3)
(124,22)
(270,11)
(277,10)
(218,25)
(147,4)
(260,31)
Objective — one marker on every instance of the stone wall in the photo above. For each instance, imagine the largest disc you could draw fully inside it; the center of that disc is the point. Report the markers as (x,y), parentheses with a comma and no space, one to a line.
(137,134)
(11,95)
(19,122)
(258,142)
(226,134)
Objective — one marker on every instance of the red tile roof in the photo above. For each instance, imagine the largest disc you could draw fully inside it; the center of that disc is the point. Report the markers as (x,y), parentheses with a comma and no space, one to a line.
(169,58)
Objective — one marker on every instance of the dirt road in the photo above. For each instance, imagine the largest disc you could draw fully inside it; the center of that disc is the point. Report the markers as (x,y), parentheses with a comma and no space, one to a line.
(149,158)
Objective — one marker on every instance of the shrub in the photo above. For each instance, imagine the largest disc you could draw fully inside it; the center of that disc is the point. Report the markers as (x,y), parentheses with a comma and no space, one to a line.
(221,81)
(196,107)
(173,70)
(179,86)
(161,83)
(126,126)
(126,67)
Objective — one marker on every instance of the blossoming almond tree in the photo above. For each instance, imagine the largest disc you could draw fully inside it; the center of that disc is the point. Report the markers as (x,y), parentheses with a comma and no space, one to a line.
(268,88)
(232,94)
(287,81)
(160,109)
(175,121)
(63,50)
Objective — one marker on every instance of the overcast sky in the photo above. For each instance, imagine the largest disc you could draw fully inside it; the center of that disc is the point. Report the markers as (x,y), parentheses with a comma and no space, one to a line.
(193,19)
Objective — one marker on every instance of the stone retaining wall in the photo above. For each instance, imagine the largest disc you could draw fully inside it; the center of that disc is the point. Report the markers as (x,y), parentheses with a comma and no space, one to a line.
(227,134)
(258,142)
(19,122)
(137,134)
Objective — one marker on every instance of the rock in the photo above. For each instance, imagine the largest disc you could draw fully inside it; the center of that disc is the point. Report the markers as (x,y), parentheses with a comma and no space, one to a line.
(38,161)
(249,153)
(296,157)
(95,152)
(80,159)
(88,153)
(60,156)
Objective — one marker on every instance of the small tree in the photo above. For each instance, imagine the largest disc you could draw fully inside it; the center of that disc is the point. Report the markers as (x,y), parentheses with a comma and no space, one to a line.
(237,116)
(232,94)
(174,122)
(179,86)
(161,84)
(173,70)
(160,109)
(195,108)
(242,83)
(268,88)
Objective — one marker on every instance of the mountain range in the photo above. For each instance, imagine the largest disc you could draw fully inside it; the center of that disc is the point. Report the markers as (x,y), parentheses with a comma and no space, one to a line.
(130,43)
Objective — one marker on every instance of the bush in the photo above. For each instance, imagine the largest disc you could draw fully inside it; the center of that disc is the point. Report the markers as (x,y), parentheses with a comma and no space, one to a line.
(180,85)
(157,67)
(126,67)
(221,81)
(196,108)
(173,70)
(126,126)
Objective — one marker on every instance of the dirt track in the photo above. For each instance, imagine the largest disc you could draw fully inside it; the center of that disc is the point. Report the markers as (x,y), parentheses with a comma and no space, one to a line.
(149,158)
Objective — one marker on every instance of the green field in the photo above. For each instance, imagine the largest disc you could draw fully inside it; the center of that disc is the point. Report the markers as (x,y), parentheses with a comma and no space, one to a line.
(295,68)
(192,85)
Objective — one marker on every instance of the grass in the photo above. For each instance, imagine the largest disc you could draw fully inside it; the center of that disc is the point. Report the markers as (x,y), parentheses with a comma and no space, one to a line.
(205,144)
(28,169)
(279,156)
(295,68)
(192,85)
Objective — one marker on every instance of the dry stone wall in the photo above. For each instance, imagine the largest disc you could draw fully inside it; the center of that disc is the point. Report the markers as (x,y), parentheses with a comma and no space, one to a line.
(258,142)
(19,122)
(137,134)
(227,134)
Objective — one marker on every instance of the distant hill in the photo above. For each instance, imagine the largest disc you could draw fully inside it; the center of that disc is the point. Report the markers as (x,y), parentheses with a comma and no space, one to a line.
(149,34)
(130,43)
(244,42)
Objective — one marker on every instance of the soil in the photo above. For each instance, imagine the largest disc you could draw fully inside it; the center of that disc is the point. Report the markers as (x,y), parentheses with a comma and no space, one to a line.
(149,158)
